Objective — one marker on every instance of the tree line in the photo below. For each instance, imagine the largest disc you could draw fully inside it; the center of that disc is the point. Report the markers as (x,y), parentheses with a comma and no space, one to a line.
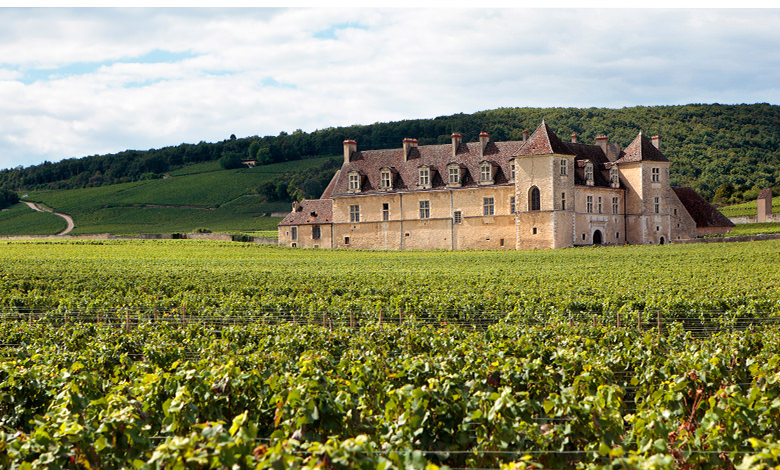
(731,148)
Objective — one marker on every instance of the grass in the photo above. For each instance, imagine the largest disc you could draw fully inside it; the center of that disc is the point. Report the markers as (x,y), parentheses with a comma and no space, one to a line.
(755,229)
(198,196)
(747,209)
(21,220)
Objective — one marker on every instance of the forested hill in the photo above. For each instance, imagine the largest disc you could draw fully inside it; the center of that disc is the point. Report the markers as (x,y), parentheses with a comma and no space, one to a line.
(734,148)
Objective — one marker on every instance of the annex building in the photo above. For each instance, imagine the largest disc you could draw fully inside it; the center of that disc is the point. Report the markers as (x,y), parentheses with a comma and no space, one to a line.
(540,192)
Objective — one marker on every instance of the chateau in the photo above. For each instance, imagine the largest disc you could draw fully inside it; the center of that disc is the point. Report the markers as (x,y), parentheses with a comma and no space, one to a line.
(540,192)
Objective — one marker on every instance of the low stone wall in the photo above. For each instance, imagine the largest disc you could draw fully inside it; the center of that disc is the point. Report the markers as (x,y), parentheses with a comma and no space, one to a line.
(742,238)
(224,237)
(146,236)
(754,220)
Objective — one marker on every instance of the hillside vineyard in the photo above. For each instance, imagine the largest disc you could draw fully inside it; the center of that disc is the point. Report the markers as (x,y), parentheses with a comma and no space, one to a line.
(535,193)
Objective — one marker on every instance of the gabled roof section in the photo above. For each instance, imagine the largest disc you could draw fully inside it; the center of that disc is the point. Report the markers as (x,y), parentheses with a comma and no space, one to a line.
(641,150)
(544,142)
(765,193)
(329,190)
(702,211)
(310,212)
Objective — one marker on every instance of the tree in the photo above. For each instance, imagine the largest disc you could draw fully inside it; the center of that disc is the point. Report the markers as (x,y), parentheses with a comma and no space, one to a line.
(8,198)
(230,160)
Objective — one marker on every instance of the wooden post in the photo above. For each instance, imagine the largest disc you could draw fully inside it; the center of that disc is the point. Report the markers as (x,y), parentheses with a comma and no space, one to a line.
(571,320)
(351,319)
(594,321)
(183,316)
(380,317)
(618,319)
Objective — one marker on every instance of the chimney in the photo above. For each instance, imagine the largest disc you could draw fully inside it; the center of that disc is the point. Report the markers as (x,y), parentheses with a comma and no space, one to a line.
(350,147)
(525,135)
(409,144)
(602,141)
(456,140)
(484,138)
(656,141)
(573,137)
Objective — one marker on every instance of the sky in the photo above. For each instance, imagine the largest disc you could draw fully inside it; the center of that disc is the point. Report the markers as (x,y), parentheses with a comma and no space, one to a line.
(86,81)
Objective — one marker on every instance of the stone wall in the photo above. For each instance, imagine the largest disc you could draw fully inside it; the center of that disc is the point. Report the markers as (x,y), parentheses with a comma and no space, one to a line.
(742,238)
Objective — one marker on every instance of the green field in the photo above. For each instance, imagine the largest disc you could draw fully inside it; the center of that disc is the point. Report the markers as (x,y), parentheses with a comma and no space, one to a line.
(198,196)
(21,220)
(755,229)
(246,279)
(747,209)
(192,354)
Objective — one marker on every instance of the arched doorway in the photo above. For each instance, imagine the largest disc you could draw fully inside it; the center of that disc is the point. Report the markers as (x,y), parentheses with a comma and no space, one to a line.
(661,241)
(597,238)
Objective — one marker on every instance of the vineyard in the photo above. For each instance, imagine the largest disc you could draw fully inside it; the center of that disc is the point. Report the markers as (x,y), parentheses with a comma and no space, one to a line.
(194,355)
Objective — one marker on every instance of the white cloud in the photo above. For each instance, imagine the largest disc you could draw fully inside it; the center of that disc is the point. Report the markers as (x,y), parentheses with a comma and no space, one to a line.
(87,81)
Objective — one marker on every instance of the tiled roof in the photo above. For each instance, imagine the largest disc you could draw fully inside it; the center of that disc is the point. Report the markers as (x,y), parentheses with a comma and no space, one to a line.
(310,212)
(765,193)
(437,157)
(544,142)
(702,211)
(641,150)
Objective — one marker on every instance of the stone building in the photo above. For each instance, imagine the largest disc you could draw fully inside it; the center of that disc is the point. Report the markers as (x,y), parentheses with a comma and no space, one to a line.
(764,206)
(540,192)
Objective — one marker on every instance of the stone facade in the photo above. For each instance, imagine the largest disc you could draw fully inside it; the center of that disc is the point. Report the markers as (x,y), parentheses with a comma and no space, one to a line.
(531,194)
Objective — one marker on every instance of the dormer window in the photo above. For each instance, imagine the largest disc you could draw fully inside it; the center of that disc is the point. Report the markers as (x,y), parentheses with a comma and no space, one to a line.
(589,174)
(614,177)
(512,168)
(485,173)
(385,179)
(354,181)
(424,180)
(454,175)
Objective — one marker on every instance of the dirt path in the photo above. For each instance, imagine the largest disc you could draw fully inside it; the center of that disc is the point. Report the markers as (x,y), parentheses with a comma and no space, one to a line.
(67,218)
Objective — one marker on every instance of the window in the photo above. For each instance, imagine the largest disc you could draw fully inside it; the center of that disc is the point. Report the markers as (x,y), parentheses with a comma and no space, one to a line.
(293,233)
(615,205)
(512,205)
(617,235)
(346,240)
(563,201)
(457,217)
(354,213)
(655,175)
(589,203)
(386,180)
(315,232)
(425,209)
(535,231)
(657,205)
(354,181)
(512,168)
(486,173)
(589,174)
(564,168)
(488,206)
(385,211)
(501,242)
(453,175)
(614,177)
(534,199)
(425,177)
(599,204)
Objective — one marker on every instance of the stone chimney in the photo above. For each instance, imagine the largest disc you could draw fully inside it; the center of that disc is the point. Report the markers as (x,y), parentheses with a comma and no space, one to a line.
(573,137)
(350,147)
(602,141)
(484,138)
(525,135)
(456,140)
(656,141)
(409,144)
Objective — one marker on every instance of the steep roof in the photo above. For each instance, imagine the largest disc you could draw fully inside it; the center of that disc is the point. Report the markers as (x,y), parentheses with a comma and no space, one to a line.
(544,142)
(641,150)
(310,212)
(406,171)
(702,211)
(765,193)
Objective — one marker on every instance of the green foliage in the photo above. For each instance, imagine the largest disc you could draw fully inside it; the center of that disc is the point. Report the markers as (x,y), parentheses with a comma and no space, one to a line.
(709,145)
(7,198)
(230,161)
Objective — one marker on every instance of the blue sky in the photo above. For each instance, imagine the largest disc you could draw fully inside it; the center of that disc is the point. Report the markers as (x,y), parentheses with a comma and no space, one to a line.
(76,82)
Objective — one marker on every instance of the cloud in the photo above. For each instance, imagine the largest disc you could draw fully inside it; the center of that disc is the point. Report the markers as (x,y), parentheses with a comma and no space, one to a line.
(91,81)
